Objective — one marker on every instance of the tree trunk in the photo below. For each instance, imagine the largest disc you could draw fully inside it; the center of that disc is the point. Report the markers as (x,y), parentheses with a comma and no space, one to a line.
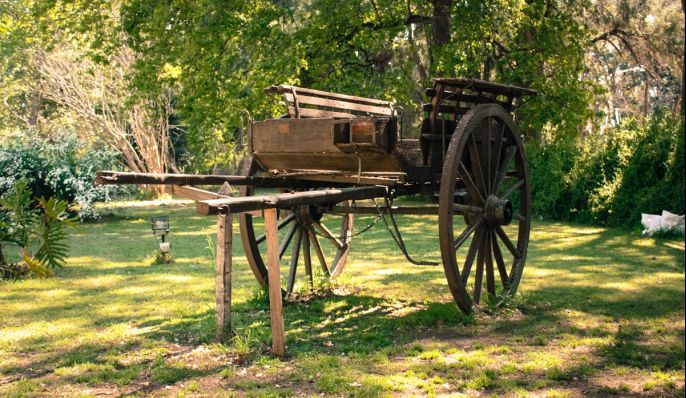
(2,255)
(441,22)
(683,70)
(646,97)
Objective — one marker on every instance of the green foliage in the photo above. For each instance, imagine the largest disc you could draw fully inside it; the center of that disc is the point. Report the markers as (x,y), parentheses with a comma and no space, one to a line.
(52,232)
(26,226)
(61,169)
(611,178)
(217,57)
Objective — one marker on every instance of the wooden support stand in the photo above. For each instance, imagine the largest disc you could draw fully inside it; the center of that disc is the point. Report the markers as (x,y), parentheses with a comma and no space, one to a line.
(223,276)
(274,280)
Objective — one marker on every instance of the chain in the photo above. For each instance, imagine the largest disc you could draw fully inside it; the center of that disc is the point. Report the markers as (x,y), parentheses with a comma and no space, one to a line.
(355,234)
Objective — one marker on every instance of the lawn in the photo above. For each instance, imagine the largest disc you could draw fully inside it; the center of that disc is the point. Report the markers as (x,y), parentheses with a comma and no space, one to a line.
(600,313)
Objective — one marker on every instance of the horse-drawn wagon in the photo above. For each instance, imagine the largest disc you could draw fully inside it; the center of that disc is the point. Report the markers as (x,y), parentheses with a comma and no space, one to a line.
(331,152)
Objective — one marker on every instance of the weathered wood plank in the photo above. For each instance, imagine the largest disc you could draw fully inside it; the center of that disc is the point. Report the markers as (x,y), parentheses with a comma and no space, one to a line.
(124,178)
(194,193)
(293,135)
(317,113)
(222,282)
(274,281)
(339,104)
(486,86)
(285,88)
(288,200)
(336,161)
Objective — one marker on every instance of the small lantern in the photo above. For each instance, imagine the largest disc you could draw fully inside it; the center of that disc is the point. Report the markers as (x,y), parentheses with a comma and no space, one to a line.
(160,228)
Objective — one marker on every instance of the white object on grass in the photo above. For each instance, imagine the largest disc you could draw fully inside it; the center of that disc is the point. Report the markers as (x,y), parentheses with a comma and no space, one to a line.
(665,222)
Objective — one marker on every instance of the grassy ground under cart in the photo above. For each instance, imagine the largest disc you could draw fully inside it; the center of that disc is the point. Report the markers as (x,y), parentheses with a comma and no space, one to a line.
(601,313)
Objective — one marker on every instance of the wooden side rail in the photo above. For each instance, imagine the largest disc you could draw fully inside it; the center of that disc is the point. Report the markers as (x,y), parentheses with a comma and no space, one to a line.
(287,200)
(327,104)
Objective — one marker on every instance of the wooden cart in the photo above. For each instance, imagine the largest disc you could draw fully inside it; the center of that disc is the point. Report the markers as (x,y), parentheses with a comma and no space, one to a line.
(332,150)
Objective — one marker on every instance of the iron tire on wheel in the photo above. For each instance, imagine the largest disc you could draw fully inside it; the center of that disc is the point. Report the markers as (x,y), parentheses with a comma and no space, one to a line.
(305,228)
(475,231)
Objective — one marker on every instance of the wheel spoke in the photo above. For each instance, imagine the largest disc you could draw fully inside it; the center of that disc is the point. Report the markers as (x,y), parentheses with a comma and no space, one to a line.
(496,157)
(476,163)
(479,274)
(514,187)
(469,183)
(508,243)
(307,259)
(318,251)
(287,240)
(485,155)
(465,234)
(295,253)
(498,255)
(329,235)
(281,224)
(490,274)
(469,260)
(509,156)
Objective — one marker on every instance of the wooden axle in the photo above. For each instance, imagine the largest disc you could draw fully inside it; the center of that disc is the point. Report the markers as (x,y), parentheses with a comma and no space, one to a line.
(288,200)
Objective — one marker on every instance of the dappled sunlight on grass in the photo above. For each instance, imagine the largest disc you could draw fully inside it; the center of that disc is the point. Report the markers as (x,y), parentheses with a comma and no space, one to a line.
(597,308)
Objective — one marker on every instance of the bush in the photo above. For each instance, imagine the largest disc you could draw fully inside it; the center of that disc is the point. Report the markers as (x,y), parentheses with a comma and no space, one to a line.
(611,178)
(28,226)
(63,169)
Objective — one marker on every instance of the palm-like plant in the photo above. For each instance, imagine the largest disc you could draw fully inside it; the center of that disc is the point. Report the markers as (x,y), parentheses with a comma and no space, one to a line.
(43,226)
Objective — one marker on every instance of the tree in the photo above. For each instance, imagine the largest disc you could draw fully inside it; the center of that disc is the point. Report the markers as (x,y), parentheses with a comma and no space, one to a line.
(98,96)
(637,53)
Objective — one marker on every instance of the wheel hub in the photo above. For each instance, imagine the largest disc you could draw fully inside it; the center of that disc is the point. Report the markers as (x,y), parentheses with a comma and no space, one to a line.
(497,211)
(309,212)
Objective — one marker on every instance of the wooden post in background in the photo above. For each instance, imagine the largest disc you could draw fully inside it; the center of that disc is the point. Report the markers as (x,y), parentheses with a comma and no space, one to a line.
(274,280)
(223,276)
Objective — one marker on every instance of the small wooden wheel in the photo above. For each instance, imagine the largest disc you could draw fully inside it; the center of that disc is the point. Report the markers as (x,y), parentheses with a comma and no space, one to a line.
(302,231)
(484,202)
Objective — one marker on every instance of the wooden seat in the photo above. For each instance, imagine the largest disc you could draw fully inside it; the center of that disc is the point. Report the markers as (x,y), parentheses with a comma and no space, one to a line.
(309,103)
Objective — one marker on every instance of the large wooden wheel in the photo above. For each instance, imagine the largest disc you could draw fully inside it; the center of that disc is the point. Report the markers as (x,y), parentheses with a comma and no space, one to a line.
(305,232)
(484,207)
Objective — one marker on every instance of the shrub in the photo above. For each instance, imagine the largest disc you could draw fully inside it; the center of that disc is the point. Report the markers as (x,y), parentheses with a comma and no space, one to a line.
(63,169)
(27,226)
(611,178)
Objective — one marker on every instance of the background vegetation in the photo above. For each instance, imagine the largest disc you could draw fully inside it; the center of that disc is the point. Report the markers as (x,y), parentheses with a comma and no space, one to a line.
(163,84)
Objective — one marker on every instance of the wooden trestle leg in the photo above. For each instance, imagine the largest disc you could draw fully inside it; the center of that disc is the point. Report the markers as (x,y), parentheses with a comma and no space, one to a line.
(274,280)
(223,276)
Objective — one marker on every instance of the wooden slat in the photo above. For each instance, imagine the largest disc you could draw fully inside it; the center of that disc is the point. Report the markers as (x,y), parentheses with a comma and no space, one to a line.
(351,179)
(470,98)
(443,108)
(287,200)
(274,281)
(486,86)
(340,161)
(335,103)
(284,88)
(194,193)
(222,281)
(313,113)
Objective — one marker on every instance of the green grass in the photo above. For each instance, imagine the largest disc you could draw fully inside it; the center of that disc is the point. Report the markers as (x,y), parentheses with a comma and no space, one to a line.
(600,312)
